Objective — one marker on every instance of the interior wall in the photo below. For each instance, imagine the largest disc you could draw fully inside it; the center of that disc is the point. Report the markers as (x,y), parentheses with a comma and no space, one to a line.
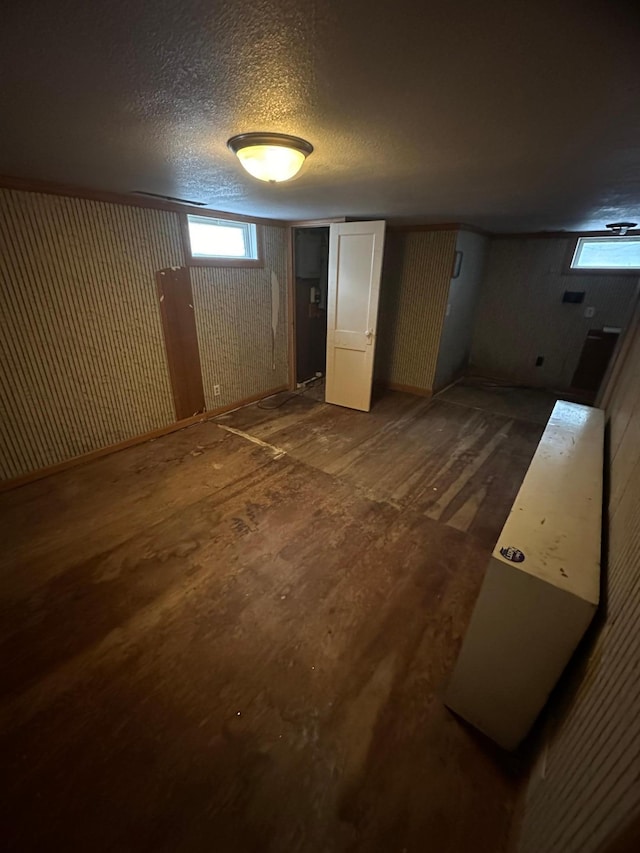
(83,362)
(242,325)
(413,300)
(521,315)
(460,314)
(590,791)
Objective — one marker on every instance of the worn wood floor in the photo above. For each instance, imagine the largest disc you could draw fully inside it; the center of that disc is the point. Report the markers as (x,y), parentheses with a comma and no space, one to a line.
(212,644)
(458,459)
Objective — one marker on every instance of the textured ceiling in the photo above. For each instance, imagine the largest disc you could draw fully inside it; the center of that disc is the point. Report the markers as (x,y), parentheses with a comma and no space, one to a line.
(509,115)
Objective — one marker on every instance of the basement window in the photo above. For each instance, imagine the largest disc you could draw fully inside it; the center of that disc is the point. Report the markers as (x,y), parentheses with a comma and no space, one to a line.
(607,254)
(222,242)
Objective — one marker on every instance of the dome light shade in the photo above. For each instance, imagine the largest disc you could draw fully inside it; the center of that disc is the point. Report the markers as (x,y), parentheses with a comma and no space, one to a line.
(272,157)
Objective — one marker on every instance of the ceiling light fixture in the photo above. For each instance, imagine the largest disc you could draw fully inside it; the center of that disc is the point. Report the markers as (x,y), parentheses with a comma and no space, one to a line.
(272,157)
(621,228)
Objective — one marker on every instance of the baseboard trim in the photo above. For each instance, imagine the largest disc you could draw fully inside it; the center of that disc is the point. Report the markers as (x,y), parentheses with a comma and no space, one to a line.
(41,473)
(407,389)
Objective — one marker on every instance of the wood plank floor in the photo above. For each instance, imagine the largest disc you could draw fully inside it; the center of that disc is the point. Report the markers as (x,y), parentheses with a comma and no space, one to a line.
(212,644)
(454,463)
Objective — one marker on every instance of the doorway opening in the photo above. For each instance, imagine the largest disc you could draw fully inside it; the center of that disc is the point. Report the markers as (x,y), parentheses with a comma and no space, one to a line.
(311,278)
(594,361)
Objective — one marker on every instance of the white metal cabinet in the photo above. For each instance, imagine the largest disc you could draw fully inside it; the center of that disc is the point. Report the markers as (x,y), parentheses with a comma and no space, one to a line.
(542,585)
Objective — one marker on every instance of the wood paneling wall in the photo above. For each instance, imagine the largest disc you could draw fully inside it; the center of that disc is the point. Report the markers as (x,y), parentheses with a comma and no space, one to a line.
(83,360)
(521,315)
(460,315)
(236,313)
(591,788)
(413,300)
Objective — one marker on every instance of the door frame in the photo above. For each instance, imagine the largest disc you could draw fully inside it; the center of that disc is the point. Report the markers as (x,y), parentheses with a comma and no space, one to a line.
(291,290)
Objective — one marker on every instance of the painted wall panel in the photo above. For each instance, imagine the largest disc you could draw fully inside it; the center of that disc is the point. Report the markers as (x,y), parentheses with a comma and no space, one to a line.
(82,355)
(521,315)
(460,314)
(413,299)
(591,790)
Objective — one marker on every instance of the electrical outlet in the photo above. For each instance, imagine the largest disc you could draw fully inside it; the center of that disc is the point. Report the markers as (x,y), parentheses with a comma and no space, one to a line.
(216,390)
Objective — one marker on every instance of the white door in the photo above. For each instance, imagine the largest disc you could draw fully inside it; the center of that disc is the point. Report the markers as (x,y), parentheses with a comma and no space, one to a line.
(355,266)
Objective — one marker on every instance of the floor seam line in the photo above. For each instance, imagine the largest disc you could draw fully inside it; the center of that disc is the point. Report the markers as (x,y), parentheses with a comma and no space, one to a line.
(277,451)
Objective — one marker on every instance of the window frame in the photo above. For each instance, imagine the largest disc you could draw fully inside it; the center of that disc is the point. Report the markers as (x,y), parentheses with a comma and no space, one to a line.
(601,271)
(199,261)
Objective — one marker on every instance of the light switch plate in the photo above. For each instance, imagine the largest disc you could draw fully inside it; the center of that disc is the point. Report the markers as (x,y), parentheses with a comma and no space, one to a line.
(590,311)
